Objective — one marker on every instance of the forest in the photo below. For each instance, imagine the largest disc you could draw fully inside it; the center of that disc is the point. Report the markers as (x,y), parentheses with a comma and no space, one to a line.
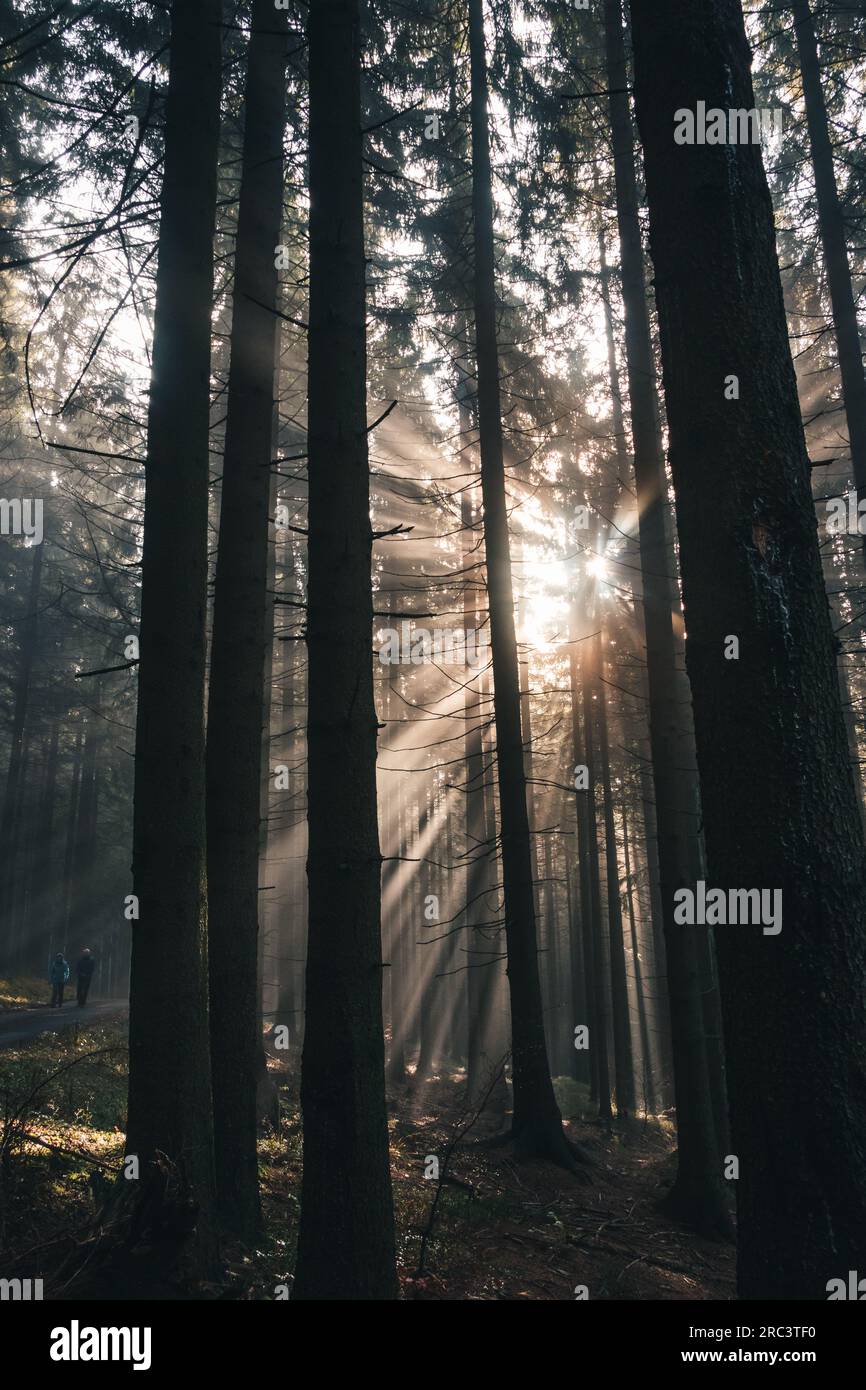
(433,662)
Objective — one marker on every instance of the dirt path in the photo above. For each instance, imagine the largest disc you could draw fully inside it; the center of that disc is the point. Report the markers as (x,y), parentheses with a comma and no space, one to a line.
(20,1025)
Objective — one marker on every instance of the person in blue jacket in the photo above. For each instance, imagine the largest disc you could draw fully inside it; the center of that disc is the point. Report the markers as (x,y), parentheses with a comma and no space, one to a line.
(58,974)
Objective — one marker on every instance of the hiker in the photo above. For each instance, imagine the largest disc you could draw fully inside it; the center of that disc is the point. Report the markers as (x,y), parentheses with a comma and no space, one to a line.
(58,974)
(84,968)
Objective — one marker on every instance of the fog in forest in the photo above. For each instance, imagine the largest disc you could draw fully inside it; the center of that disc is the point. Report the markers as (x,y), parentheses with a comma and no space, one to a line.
(433,667)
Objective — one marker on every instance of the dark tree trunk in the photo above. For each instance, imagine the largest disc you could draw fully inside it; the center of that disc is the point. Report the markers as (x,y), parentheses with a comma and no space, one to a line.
(236,692)
(26,833)
(600,955)
(400,956)
(346,1238)
(487,1045)
(85,877)
(698,1195)
(537,1123)
(22,836)
(394,877)
(425,948)
(780,810)
(588,899)
(832,227)
(69,849)
(623,1061)
(478,947)
(493,1001)
(43,894)
(523,679)
(578,993)
(647,1086)
(288,1005)
(268,947)
(656,917)
(169,1059)
(11,795)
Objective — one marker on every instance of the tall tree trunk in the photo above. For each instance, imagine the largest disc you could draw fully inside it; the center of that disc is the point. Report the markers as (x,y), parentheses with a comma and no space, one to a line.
(578,994)
(846,695)
(236,692)
(21,697)
(655,913)
(69,849)
(22,835)
(647,1088)
(523,680)
(288,1006)
(478,1061)
(493,1002)
(346,1238)
(831,224)
(588,897)
(169,1067)
(44,891)
(698,1195)
(425,945)
(84,884)
(780,810)
(600,954)
(623,1061)
(400,982)
(393,879)
(268,945)
(486,1046)
(537,1123)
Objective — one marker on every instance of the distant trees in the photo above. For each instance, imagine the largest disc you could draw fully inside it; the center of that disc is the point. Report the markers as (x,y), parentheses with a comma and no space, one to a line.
(169,1066)
(833,238)
(779,805)
(346,1237)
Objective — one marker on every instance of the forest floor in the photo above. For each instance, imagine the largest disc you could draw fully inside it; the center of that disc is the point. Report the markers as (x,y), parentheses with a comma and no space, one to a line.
(22,992)
(501,1230)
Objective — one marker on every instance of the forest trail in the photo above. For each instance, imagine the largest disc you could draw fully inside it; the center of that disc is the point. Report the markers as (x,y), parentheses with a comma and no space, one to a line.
(21,1025)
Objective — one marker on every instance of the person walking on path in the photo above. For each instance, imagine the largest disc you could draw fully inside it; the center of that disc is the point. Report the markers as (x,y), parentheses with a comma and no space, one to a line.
(58,974)
(84,968)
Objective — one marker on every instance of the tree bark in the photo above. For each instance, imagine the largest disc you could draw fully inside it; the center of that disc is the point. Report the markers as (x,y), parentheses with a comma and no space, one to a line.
(648,1093)
(623,1060)
(346,1238)
(43,893)
(588,898)
(477,946)
(779,805)
(600,952)
(236,692)
(698,1194)
(169,1060)
(536,1124)
(85,879)
(8,817)
(69,848)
